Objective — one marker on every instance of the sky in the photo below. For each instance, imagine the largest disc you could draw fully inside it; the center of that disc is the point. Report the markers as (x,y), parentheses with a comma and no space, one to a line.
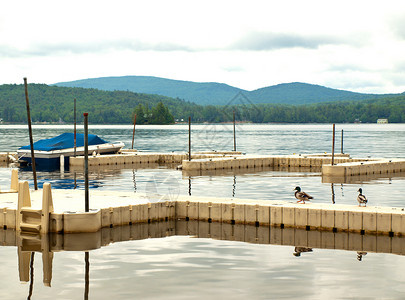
(351,45)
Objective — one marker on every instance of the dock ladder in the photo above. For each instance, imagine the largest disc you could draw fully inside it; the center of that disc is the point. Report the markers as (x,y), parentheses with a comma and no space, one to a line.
(29,219)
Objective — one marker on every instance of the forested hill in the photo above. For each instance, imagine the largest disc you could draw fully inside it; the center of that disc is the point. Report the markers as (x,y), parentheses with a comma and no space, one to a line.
(201,93)
(303,93)
(53,104)
(211,93)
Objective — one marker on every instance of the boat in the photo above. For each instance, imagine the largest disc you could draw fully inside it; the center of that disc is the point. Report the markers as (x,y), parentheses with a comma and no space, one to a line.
(47,152)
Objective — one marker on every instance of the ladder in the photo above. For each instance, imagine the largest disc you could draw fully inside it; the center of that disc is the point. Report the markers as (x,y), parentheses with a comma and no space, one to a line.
(33,220)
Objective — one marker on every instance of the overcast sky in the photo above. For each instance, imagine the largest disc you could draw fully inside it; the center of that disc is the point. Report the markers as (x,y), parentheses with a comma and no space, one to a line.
(352,45)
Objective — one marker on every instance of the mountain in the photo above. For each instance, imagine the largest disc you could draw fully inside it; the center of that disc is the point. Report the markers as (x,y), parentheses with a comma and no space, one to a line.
(304,93)
(55,104)
(212,93)
(203,93)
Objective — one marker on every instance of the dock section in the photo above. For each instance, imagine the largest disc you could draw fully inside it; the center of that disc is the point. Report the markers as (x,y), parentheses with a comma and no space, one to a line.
(7,157)
(136,157)
(343,166)
(111,209)
(356,168)
(255,161)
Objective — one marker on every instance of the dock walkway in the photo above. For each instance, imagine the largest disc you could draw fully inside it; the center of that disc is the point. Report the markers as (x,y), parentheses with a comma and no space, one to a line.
(110,209)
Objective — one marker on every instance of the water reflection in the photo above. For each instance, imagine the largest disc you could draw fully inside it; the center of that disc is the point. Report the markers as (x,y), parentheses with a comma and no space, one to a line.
(189,185)
(87,275)
(299,241)
(360,255)
(31,276)
(134,179)
(234,186)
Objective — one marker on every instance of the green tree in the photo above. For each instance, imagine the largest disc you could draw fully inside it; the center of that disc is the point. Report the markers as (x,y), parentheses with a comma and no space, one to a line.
(140,114)
(161,115)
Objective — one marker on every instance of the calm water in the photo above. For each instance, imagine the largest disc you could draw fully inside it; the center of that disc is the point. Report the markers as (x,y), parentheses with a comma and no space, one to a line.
(181,267)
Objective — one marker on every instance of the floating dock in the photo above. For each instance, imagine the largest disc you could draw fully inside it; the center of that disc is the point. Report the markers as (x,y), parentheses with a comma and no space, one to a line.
(7,157)
(62,211)
(343,166)
(355,168)
(255,161)
(128,157)
(59,210)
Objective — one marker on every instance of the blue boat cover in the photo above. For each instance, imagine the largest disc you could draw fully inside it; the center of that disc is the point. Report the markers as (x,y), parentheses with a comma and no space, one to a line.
(64,141)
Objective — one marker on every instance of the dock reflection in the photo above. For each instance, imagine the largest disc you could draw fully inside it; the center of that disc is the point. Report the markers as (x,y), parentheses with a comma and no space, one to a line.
(301,240)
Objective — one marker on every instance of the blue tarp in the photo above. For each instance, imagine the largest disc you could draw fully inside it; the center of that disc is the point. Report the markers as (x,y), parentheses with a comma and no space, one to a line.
(64,141)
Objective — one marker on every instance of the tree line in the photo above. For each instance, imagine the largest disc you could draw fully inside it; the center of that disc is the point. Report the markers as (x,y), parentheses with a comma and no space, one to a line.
(55,104)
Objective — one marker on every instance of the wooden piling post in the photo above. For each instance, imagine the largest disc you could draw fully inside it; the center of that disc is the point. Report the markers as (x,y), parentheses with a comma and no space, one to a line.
(86,162)
(341,143)
(74,126)
(234,132)
(74,138)
(133,133)
(333,145)
(189,138)
(34,171)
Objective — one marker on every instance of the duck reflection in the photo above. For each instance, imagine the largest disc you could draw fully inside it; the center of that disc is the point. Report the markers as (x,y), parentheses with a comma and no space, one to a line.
(360,255)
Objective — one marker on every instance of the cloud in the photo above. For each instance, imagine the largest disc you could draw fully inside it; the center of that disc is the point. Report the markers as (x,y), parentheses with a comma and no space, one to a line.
(63,48)
(347,67)
(397,26)
(261,41)
(233,68)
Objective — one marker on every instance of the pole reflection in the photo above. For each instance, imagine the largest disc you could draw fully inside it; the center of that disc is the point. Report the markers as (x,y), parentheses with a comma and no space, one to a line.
(31,276)
(189,185)
(86,276)
(234,186)
(134,179)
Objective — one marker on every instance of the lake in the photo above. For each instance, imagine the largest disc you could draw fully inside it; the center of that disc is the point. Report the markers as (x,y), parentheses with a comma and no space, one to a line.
(180,267)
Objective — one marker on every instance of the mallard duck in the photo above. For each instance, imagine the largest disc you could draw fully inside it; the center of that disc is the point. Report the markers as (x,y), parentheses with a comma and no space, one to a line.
(301,196)
(299,250)
(361,198)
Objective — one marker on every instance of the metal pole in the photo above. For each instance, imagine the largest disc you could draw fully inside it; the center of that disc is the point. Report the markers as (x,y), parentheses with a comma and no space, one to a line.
(234,132)
(74,117)
(133,133)
(333,145)
(189,138)
(86,162)
(341,143)
(34,171)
